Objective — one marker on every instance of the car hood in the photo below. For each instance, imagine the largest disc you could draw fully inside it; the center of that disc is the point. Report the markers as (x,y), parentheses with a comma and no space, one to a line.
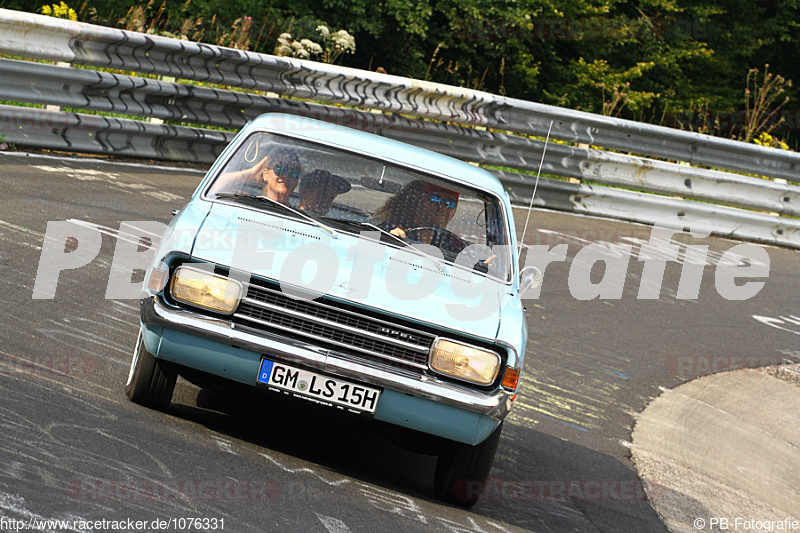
(353,268)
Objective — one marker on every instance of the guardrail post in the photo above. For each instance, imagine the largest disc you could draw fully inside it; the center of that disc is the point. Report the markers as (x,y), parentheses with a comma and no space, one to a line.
(156,120)
(58,64)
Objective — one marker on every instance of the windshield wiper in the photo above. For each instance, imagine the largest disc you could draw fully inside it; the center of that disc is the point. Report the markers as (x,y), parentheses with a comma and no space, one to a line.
(241,196)
(438,262)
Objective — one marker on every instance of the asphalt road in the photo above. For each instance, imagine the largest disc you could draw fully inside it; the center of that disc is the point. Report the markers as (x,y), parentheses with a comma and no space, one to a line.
(73,447)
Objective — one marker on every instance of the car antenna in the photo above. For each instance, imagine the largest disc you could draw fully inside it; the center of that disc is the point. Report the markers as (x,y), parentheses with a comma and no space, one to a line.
(535,186)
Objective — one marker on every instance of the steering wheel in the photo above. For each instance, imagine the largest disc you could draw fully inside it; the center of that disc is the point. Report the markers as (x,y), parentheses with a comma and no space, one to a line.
(439,236)
(449,241)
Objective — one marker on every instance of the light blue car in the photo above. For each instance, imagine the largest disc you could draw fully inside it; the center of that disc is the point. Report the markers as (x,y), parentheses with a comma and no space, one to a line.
(337,267)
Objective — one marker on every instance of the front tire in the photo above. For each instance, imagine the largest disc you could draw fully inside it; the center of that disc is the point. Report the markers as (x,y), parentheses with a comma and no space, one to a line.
(462,470)
(151,381)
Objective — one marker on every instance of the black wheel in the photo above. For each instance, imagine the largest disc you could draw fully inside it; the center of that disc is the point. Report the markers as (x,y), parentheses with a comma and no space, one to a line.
(151,381)
(462,470)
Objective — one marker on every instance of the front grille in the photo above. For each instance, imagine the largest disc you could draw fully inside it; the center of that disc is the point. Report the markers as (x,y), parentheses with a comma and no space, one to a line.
(328,324)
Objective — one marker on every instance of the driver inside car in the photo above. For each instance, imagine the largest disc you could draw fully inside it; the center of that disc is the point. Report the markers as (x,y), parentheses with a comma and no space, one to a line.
(421,211)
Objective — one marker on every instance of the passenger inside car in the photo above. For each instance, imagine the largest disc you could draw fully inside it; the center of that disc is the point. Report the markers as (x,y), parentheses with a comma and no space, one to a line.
(274,176)
(318,189)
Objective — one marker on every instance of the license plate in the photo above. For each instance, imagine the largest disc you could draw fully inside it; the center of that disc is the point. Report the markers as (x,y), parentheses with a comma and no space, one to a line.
(321,389)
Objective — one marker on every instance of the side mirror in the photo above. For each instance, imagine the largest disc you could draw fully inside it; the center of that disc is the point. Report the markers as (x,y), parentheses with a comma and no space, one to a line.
(529,278)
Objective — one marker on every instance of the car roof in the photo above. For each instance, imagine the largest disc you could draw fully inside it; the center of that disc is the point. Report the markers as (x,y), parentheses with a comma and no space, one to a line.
(380,147)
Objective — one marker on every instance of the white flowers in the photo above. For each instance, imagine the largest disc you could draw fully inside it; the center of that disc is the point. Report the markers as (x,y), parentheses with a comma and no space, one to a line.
(298,50)
(322,29)
(312,47)
(284,46)
(344,42)
(334,45)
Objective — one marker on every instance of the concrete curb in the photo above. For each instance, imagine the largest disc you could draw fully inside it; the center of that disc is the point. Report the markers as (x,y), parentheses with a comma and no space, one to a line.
(725,446)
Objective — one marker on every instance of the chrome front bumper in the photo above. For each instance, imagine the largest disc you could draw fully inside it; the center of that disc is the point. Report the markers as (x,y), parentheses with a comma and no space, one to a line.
(495,404)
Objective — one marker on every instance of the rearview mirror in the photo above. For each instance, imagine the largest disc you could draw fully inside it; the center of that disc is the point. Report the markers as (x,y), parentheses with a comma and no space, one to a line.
(378,185)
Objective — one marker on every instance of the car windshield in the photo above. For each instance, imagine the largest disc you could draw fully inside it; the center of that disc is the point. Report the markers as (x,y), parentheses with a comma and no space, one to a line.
(355,193)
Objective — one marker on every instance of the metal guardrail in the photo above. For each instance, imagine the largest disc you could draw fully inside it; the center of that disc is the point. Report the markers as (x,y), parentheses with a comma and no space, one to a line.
(35,36)
(76,132)
(650,209)
(100,91)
